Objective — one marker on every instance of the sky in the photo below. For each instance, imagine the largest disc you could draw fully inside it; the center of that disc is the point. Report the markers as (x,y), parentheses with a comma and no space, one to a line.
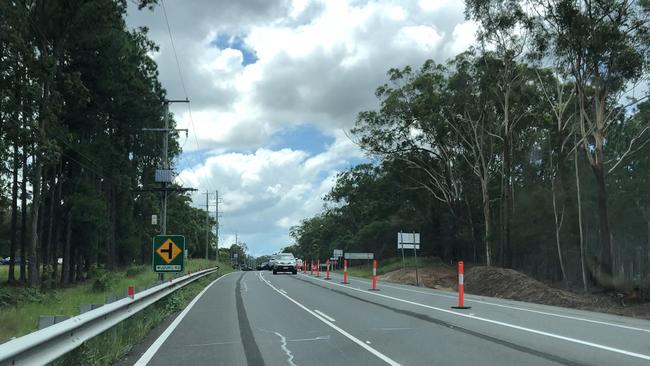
(275,87)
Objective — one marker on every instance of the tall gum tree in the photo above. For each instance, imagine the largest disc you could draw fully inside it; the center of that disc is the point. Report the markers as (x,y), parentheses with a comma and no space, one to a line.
(603,46)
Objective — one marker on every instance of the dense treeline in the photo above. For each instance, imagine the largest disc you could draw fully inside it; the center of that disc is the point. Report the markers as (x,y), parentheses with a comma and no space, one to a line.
(76,89)
(528,151)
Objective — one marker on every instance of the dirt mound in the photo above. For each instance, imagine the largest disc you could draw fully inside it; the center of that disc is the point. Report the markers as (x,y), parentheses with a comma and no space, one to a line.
(439,277)
(510,284)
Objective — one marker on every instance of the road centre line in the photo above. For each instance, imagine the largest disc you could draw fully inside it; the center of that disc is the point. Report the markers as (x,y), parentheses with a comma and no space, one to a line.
(469,299)
(500,323)
(331,325)
(324,315)
(151,351)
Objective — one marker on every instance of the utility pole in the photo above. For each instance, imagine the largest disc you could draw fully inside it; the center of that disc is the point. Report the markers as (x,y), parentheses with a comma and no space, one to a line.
(216,230)
(207,223)
(164,175)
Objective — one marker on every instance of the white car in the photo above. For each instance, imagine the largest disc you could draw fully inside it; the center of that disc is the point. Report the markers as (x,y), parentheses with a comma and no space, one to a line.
(285,262)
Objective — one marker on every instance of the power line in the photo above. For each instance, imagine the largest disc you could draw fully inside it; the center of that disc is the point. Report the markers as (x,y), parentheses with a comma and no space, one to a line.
(180,75)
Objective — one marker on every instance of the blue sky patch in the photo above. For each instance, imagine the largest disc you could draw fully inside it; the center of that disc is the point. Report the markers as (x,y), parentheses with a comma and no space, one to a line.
(303,137)
(236,42)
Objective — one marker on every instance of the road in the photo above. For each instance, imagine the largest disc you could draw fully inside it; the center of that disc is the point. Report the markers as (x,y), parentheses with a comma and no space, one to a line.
(256,318)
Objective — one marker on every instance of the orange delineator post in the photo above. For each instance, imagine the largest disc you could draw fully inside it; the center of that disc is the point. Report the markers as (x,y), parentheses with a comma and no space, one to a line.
(461,287)
(374,275)
(345,272)
(131,291)
(327,277)
(311,267)
(318,268)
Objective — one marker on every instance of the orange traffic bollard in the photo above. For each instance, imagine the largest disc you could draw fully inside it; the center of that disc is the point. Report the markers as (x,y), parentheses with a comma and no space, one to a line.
(318,268)
(311,267)
(327,277)
(374,276)
(345,272)
(131,292)
(461,287)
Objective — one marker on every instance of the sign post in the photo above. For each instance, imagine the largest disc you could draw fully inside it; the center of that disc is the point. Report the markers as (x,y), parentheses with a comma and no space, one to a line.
(168,253)
(410,241)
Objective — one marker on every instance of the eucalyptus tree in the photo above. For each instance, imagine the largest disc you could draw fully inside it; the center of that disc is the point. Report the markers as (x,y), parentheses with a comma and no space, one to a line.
(503,33)
(603,47)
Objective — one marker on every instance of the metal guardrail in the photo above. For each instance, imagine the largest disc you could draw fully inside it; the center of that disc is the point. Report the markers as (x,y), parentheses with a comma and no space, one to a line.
(46,345)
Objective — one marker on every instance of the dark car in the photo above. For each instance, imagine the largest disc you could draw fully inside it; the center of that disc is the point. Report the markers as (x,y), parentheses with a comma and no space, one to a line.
(5,261)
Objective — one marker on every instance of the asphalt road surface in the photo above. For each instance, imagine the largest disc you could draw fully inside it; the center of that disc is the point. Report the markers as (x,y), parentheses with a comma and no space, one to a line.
(257,318)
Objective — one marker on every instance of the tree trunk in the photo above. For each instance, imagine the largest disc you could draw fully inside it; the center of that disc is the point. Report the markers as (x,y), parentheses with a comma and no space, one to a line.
(558,228)
(66,269)
(487,222)
(14,215)
(34,278)
(581,236)
(606,255)
(23,216)
(111,247)
(507,240)
(48,252)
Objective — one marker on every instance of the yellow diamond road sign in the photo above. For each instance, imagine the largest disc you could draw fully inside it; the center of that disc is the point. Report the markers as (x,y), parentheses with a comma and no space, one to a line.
(168,251)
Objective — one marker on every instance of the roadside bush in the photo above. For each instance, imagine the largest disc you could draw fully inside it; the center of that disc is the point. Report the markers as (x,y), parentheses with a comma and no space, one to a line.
(11,296)
(133,271)
(102,281)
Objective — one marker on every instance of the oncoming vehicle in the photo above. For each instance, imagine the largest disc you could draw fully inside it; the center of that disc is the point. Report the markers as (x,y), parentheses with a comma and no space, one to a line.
(272,262)
(285,262)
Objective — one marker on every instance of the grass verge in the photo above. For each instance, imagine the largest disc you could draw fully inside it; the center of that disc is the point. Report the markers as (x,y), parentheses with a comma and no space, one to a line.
(112,345)
(28,304)
(388,265)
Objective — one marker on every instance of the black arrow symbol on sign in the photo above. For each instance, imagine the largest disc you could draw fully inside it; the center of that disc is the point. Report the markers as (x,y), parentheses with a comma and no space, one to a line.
(168,250)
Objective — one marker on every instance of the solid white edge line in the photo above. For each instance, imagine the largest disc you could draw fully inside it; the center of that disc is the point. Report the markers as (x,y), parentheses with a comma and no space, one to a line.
(508,325)
(151,351)
(330,324)
(470,299)
(324,315)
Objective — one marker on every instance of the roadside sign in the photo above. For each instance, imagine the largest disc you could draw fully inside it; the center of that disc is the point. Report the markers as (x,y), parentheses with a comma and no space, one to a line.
(337,253)
(359,256)
(408,246)
(167,250)
(408,238)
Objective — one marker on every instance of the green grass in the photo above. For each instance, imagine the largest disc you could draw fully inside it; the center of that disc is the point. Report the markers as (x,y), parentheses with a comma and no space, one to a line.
(112,345)
(23,318)
(360,269)
(4,270)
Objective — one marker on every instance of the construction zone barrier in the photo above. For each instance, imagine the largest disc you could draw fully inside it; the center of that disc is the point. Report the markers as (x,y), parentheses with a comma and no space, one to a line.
(327,276)
(374,276)
(461,287)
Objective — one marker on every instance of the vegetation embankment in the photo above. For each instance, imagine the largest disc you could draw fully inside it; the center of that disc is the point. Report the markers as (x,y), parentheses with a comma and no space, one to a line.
(20,308)
(506,284)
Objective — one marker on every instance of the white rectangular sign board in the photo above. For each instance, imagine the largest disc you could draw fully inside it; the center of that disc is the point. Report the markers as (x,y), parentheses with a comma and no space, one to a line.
(359,255)
(408,238)
(337,253)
